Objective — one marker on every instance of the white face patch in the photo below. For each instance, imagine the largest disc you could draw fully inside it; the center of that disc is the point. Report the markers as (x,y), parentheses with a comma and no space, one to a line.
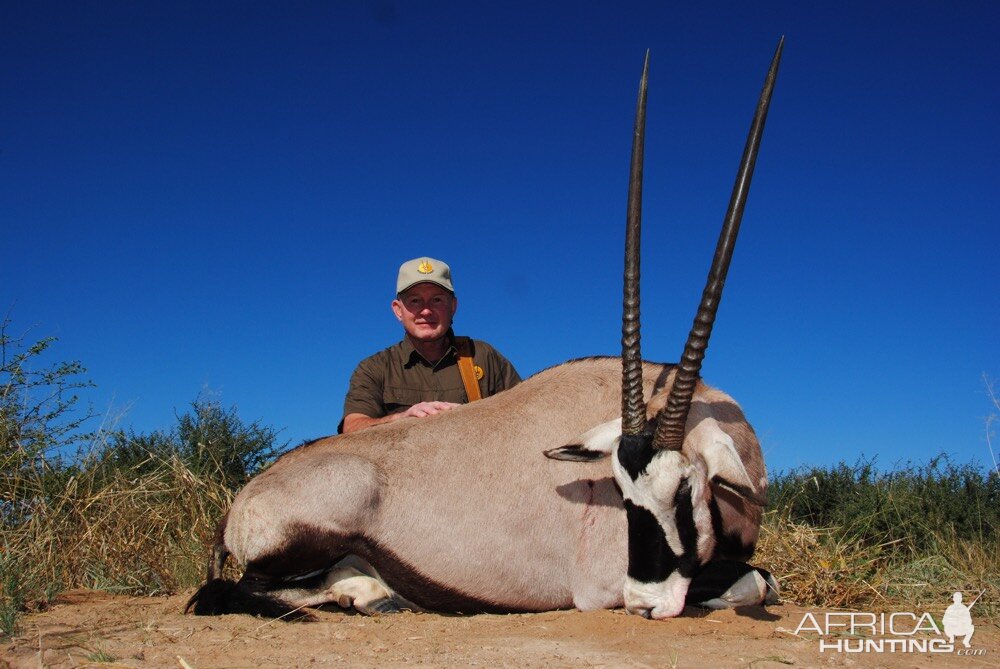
(656,489)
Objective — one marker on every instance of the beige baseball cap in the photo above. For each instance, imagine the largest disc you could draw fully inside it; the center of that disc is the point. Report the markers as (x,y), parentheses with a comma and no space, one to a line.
(423,270)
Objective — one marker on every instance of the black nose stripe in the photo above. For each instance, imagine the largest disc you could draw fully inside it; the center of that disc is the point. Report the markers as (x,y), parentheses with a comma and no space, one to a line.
(686,529)
(650,559)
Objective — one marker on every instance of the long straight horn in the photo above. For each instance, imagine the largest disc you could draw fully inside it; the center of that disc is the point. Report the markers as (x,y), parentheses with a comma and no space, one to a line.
(633,407)
(670,423)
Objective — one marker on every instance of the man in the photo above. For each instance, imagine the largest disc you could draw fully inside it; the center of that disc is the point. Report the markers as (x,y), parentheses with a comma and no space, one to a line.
(420,375)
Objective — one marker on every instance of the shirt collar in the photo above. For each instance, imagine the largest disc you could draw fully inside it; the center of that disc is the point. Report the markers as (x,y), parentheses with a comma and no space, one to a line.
(411,355)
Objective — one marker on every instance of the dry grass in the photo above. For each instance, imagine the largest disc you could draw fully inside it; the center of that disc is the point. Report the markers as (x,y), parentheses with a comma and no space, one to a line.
(831,569)
(140,529)
(130,512)
(816,567)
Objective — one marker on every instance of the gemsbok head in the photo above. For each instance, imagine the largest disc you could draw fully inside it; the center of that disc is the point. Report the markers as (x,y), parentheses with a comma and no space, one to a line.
(693,481)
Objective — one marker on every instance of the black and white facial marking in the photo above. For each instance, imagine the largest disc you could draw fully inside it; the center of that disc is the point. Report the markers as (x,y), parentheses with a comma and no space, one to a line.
(674,522)
(670,533)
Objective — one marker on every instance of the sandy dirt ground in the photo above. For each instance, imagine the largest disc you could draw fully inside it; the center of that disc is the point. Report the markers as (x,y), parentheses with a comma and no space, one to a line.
(84,628)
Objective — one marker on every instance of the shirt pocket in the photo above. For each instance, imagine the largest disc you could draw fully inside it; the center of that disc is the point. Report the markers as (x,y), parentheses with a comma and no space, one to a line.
(400,399)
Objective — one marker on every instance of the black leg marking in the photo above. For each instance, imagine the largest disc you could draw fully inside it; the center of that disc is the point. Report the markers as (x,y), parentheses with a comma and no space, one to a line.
(773,595)
(715,578)
(385,605)
(220,596)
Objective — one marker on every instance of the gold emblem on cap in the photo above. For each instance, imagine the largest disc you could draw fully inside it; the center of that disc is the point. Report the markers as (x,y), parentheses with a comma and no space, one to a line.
(479,372)
(425,267)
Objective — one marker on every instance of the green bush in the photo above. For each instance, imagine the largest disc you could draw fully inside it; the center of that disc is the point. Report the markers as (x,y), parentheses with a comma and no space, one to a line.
(911,507)
(211,441)
(39,420)
(119,511)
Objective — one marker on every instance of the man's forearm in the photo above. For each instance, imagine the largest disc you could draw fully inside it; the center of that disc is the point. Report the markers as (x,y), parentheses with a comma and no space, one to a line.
(358,421)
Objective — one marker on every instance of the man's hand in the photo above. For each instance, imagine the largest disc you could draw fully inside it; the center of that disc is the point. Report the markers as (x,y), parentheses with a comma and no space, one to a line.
(356,421)
(425,409)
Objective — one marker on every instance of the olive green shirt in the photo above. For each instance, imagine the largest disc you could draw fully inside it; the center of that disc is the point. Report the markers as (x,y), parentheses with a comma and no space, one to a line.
(398,377)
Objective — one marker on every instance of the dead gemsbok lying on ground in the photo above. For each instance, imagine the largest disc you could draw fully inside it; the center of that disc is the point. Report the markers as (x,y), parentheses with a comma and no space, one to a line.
(460,512)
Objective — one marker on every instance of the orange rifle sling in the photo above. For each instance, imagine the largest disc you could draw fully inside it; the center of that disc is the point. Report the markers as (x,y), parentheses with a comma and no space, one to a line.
(467,368)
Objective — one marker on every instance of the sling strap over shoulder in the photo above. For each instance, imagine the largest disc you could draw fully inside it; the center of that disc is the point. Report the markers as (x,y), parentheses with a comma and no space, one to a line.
(463,345)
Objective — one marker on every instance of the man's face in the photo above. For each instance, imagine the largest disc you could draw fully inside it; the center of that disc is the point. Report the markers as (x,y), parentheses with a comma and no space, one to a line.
(425,310)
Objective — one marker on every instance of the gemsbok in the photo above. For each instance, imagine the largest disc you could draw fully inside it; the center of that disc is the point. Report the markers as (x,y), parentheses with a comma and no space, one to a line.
(460,512)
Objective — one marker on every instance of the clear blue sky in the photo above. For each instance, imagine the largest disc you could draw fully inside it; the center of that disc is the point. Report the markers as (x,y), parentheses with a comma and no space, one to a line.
(217,196)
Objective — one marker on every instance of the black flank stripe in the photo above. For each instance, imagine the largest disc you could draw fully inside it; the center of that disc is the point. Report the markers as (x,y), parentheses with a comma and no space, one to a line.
(306,549)
(407,580)
(310,548)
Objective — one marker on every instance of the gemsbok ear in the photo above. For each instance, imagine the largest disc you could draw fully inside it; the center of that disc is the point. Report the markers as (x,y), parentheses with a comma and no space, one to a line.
(725,467)
(575,453)
(594,444)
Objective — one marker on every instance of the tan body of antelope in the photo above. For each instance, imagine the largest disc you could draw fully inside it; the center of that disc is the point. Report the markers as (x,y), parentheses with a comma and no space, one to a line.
(462,511)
